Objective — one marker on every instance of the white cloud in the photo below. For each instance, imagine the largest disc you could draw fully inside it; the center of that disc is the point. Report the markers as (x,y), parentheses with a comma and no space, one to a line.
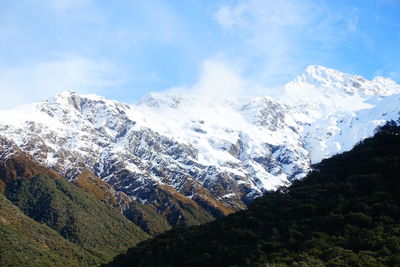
(64,5)
(395,75)
(391,72)
(392,3)
(25,84)
(217,79)
(228,17)
(68,11)
(283,36)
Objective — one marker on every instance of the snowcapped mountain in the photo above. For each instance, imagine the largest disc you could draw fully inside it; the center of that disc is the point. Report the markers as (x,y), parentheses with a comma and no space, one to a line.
(336,110)
(217,153)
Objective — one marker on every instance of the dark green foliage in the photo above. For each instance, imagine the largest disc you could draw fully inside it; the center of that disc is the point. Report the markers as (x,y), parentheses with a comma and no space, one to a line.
(345,213)
(24,242)
(76,215)
(179,210)
(147,218)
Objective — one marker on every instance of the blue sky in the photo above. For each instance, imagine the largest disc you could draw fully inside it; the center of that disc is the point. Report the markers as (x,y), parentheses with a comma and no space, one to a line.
(127,48)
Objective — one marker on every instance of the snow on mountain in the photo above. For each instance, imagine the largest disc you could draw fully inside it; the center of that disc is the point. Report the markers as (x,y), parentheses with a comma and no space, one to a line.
(336,110)
(220,151)
(320,92)
(341,131)
(323,77)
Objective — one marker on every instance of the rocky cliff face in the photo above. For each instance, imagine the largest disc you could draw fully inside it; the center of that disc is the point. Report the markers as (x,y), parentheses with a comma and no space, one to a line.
(186,152)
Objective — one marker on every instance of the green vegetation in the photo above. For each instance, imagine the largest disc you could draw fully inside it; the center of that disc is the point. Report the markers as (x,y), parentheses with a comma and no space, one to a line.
(147,218)
(67,226)
(178,209)
(47,221)
(143,215)
(24,242)
(74,214)
(86,227)
(345,213)
(172,209)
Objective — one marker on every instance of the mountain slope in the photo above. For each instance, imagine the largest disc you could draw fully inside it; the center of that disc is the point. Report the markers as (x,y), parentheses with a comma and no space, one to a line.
(183,152)
(15,164)
(78,216)
(143,215)
(25,242)
(75,215)
(345,213)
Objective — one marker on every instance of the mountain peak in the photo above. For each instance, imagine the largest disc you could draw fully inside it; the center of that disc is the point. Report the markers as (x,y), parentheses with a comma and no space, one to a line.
(320,76)
(330,82)
(66,99)
(66,93)
(71,100)
(319,68)
(68,96)
(170,100)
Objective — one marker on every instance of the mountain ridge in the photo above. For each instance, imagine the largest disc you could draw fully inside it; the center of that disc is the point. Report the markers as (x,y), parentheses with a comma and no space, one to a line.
(219,153)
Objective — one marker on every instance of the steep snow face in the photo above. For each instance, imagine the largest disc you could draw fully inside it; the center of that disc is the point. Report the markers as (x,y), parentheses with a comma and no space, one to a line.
(320,92)
(234,149)
(220,150)
(336,110)
(224,131)
(341,131)
(325,78)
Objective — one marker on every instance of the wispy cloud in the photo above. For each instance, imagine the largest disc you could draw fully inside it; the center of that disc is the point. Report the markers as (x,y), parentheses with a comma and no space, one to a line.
(64,5)
(281,37)
(392,72)
(219,79)
(395,75)
(35,82)
(392,3)
(245,45)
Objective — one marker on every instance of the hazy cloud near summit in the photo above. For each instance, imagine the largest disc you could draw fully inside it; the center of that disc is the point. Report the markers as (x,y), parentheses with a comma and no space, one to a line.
(281,36)
(36,82)
(126,49)
(274,41)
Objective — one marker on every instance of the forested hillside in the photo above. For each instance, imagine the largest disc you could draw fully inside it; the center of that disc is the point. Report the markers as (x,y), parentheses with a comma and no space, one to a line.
(47,221)
(75,215)
(25,242)
(344,213)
